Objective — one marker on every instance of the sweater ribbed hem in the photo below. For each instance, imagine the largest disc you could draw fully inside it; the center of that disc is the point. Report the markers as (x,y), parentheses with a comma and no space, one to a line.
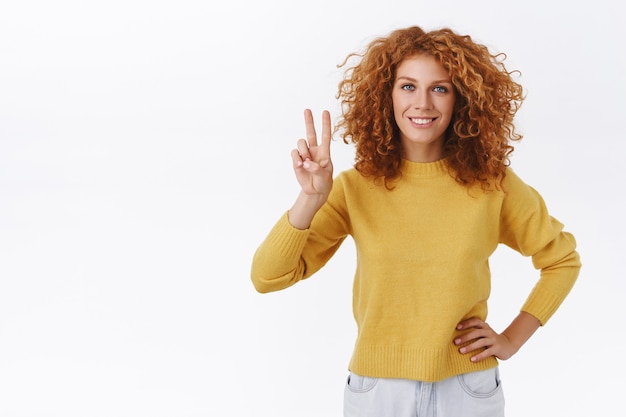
(430,365)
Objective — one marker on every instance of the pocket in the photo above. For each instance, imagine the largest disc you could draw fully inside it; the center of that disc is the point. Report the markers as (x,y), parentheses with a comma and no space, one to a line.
(360,384)
(481,384)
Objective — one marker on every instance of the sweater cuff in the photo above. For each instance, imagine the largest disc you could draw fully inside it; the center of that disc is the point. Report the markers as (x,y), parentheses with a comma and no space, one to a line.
(542,305)
(286,239)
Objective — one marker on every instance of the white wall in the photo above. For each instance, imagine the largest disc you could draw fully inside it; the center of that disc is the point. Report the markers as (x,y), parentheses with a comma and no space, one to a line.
(144,154)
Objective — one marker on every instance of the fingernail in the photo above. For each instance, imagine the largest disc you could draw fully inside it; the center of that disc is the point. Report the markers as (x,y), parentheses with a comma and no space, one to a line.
(462,350)
(457,341)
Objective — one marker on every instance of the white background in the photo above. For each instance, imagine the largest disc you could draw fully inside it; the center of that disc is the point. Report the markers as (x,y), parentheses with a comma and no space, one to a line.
(144,154)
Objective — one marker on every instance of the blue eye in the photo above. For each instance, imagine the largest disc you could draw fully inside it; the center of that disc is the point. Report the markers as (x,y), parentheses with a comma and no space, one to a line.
(440,89)
(408,87)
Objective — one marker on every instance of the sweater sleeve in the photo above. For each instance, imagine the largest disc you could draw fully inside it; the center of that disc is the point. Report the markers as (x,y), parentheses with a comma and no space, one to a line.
(527,227)
(288,255)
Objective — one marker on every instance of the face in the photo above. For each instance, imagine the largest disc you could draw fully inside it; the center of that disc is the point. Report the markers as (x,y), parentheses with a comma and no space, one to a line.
(423,101)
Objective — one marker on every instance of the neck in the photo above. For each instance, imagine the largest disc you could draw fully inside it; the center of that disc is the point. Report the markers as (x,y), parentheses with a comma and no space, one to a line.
(420,153)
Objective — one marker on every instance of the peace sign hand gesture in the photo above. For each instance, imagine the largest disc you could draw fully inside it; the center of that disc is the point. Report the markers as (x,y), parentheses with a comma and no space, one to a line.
(314,170)
(311,162)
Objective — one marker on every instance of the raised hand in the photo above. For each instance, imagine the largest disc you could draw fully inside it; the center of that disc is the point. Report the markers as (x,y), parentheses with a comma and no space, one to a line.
(314,171)
(311,161)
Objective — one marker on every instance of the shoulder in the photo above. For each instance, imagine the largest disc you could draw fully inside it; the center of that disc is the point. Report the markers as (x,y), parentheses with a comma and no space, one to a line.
(349,173)
(520,197)
(351,178)
(351,185)
(513,184)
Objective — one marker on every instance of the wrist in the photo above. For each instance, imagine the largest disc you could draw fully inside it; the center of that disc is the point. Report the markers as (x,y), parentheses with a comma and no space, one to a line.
(303,210)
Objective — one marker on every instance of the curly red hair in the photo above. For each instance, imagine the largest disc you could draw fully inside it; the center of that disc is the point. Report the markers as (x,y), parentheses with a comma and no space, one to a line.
(478,140)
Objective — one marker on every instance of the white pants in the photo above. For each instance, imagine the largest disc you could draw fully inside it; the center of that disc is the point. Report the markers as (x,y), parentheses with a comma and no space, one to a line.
(475,394)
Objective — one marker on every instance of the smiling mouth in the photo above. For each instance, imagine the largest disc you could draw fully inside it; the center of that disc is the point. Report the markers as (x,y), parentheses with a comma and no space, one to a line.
(422,120)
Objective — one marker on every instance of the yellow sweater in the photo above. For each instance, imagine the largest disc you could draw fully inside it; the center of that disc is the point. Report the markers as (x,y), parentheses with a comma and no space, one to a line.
(422,262)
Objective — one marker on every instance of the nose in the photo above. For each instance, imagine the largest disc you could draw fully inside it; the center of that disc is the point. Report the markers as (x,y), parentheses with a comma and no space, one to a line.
(422,99)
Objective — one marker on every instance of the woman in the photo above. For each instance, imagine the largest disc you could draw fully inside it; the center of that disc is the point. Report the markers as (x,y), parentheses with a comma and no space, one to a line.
(429,199)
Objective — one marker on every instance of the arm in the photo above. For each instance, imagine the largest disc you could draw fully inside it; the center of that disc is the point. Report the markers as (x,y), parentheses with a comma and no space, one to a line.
(527,227)
(278,262)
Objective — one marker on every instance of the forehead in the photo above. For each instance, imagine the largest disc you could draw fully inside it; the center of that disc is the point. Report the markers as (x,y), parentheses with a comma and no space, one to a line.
(421,67)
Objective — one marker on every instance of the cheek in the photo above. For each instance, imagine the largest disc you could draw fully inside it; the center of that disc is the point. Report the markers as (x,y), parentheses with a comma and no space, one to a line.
(452,104)
(397,116)
(448,107)
(397,110)
(394,102)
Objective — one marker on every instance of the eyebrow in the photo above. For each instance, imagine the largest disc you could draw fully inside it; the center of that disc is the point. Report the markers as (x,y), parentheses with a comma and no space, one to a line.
(447,81)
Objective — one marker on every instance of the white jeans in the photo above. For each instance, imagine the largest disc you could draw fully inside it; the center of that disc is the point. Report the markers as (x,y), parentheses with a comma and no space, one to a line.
(475,394)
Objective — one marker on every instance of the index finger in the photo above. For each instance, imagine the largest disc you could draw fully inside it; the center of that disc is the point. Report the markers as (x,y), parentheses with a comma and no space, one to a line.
(311,135)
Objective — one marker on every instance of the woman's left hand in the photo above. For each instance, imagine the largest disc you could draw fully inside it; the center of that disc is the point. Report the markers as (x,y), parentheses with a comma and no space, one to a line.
(480,335)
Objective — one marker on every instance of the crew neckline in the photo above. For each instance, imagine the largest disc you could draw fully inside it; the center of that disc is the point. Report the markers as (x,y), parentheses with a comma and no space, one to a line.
(424,169)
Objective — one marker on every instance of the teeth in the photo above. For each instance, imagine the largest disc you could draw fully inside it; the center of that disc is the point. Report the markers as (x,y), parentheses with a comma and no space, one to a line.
(421,121)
